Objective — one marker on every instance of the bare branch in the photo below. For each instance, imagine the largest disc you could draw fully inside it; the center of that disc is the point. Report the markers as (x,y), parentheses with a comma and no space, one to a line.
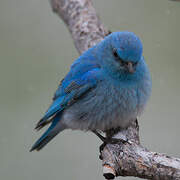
(131,159)
(81,20)
(121,159)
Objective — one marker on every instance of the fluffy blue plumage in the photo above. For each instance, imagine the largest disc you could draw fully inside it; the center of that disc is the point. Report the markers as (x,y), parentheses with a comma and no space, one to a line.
(106,87)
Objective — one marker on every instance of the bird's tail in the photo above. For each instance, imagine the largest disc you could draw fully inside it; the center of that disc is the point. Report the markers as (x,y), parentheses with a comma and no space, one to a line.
(50,133)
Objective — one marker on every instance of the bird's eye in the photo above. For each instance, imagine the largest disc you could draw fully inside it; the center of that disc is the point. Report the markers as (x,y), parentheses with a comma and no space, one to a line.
(115,53)
(117,57)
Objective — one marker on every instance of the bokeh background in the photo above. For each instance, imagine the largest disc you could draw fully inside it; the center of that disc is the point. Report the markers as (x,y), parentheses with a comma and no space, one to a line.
(36,51)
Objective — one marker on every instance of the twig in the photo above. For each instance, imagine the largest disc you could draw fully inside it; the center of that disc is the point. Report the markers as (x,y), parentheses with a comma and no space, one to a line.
(121,159)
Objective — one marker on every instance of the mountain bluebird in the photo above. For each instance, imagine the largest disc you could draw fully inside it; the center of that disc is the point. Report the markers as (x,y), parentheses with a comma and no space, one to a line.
(107,87)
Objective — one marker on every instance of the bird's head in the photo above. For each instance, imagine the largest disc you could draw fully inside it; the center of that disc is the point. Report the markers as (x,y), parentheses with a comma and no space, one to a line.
(121,52)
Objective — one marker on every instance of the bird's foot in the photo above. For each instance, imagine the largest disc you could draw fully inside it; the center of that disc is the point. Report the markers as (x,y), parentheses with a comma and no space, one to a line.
(108,140)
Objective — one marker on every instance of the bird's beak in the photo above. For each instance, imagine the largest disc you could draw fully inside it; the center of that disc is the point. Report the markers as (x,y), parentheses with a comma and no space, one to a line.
(130,67)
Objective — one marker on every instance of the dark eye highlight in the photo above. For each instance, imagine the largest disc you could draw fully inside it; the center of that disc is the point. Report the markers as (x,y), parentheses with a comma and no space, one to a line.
(115,53)
(117,57)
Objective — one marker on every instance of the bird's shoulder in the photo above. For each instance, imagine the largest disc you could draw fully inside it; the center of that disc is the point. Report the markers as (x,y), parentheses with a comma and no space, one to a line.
(83,72)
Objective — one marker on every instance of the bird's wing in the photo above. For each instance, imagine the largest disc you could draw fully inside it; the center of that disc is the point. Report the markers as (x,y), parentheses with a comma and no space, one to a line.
(78,69)
(78,82)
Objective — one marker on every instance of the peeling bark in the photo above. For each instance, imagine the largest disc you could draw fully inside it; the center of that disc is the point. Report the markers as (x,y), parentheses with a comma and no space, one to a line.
(120,159)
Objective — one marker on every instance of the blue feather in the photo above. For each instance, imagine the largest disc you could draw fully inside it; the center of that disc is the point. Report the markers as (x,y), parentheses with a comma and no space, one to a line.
(107,87)
(50,133)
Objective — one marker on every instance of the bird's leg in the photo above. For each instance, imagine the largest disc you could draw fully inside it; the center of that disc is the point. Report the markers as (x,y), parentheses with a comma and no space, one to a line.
(103,144)
(103,139)
(99,135)
(109,138)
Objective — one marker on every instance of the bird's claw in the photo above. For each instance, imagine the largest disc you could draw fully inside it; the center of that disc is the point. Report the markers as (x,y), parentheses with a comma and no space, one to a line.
(108,140)
(101,147)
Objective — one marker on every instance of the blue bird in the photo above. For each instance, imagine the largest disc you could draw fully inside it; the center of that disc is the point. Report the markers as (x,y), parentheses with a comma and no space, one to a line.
(107,87)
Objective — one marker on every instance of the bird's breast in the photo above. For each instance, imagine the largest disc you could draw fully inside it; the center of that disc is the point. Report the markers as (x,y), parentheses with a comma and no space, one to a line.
(106,106)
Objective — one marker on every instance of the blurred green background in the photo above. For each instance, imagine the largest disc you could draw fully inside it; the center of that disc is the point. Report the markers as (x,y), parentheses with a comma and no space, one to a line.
(36,51)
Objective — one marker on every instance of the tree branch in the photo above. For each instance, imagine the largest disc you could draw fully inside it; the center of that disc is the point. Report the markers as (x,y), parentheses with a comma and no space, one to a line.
(81,20)
(121,159)
(132,159)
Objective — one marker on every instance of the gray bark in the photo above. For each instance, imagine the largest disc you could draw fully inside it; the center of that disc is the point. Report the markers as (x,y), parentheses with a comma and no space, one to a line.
(81,20)
(123,158)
